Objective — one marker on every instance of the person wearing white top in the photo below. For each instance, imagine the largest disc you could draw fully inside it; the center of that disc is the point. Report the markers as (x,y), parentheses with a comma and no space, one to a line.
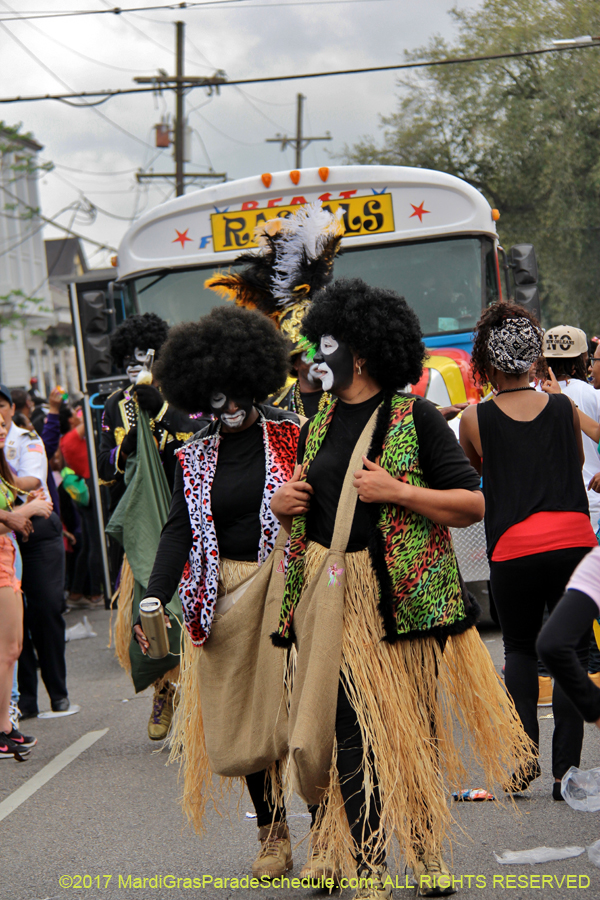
(43,576)
(566,351)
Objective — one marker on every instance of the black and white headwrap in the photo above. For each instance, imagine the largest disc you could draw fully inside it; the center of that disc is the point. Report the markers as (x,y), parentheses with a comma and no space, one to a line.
(515,345)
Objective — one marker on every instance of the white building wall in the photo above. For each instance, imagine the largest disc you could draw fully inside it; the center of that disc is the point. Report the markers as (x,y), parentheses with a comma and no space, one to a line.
(22,268)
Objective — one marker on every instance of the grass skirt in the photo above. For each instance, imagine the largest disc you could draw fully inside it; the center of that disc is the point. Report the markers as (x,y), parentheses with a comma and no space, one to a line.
(187,741)
(430,718)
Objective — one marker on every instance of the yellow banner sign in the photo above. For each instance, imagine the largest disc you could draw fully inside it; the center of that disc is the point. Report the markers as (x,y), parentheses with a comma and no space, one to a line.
(362,215)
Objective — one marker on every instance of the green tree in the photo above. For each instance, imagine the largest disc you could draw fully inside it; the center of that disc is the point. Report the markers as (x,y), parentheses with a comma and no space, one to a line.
(525,132)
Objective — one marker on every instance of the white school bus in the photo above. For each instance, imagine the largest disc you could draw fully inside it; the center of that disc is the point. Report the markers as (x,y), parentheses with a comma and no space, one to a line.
(427,235)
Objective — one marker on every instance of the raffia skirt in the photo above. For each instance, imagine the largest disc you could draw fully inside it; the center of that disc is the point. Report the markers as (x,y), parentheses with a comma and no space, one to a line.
(188,747)
(431,720)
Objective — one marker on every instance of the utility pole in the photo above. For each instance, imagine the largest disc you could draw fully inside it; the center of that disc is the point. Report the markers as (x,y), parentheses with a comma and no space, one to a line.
(179,111)
(180,81)
(299,143)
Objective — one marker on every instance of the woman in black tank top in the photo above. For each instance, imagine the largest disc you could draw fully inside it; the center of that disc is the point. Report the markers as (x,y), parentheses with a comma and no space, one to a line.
(529,451)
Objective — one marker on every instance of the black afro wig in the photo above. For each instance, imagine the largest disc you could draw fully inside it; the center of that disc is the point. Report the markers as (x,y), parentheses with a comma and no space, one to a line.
(145,332)
(234,351)
(376,323)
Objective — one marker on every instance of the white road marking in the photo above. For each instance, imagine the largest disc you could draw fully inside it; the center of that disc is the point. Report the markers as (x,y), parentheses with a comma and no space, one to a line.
(56,765)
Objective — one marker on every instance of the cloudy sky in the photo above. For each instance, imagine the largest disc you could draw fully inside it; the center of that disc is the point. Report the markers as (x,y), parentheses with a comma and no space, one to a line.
(96,151)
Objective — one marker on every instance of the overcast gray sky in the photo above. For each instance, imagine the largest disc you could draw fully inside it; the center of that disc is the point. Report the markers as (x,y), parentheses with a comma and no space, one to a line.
(248,39)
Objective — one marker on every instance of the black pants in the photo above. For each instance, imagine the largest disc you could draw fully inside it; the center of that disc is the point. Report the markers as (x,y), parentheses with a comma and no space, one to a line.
(522,587)
(350,770)
(352,784)
(88,566)
(44,627)
(259,788)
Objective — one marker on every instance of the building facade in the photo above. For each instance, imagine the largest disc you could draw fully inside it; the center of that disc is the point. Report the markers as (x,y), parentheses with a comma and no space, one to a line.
(35,319)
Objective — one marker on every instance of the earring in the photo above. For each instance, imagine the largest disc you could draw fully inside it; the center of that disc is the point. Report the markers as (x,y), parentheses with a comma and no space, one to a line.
(359,370)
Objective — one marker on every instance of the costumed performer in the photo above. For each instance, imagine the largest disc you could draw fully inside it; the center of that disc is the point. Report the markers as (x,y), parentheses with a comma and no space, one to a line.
(411,659)
(220,527)
(294,260)
(118,441)
(537,520)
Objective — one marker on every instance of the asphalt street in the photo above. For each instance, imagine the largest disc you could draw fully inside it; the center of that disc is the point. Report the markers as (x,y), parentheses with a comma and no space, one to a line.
(112,812)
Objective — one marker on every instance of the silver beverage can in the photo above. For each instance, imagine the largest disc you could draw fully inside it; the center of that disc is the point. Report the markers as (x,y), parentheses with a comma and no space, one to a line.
(153,624)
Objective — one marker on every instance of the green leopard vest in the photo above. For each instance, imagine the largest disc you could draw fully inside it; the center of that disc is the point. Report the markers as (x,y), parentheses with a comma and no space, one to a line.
(419,583)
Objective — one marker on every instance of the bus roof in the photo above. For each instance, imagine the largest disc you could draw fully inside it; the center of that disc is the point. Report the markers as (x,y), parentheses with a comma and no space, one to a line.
(380,204)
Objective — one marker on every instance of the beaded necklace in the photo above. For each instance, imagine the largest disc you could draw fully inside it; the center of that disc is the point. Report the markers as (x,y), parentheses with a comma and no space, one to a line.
(9,491)
(299,405)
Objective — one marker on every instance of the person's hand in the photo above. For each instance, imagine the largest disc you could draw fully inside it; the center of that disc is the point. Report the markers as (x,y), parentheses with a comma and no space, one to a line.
(71,539)
(375,485)
(141,638)
(450,412)
(38,507)
(129,443)
(18,522)
(149,398)
(551,385)
(293,498)
(55,400)
(594,484)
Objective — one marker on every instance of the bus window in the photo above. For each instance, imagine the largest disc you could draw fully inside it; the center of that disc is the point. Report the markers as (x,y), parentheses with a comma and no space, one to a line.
(441,280)
(176,296)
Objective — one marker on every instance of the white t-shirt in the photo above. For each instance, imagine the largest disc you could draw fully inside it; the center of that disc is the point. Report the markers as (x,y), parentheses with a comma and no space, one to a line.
(586,577)
(26,455)
(588,401)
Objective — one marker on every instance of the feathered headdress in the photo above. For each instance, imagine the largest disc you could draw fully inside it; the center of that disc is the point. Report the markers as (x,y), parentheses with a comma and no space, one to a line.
(295,259)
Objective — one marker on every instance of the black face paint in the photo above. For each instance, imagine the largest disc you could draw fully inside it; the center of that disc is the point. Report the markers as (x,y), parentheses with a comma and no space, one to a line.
(133,363)
(333,364)
(232,413)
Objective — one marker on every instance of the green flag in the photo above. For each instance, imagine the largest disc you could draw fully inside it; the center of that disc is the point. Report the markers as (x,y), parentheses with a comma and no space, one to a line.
(137,523)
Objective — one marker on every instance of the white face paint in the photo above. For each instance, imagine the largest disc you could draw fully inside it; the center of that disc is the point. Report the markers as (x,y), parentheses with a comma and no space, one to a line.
(321,370)
(234,420)
(310,377)
(134,368)
(217,400)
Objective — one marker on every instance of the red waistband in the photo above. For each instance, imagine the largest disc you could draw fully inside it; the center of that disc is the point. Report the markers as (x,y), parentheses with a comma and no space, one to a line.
(545,531)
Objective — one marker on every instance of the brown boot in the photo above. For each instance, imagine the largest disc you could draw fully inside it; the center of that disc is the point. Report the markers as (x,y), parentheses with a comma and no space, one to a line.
(162,713)
(275,855)
(319,867)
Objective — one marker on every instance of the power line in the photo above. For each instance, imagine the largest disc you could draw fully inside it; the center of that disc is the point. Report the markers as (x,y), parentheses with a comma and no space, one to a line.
(117,10)
(93,174)
(54,40)
(48,221)
(222,4)
(451,61)
(46,68)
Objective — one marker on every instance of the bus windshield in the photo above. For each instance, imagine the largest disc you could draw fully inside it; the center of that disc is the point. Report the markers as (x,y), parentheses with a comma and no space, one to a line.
(447,282)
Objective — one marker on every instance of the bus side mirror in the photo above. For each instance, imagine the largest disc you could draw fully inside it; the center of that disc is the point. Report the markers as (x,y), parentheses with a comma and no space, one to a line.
(528,296)
(522,261)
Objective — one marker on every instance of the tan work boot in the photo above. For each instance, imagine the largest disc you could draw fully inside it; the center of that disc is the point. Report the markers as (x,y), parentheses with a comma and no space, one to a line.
(319,868)
(275,856)
(545,690)
(160,719)
(432,876)
(374,883)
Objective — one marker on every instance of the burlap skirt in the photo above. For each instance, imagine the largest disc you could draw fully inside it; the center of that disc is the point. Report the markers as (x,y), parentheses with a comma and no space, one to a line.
(188,747)
(433,720)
